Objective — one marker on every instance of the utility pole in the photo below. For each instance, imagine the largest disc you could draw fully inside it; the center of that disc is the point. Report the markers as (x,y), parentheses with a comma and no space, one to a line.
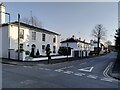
(9,36)
(67,51)
(18,37)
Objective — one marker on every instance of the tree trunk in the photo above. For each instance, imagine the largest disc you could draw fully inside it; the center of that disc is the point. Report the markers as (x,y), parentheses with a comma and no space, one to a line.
(98,49)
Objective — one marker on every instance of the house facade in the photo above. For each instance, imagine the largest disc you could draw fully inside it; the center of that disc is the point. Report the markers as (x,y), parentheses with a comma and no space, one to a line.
(94,47)
(77,45)
(31,37)
(82,47)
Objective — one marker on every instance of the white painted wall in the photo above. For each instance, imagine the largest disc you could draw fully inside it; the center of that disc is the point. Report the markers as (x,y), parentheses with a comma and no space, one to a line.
(2,14)
(5,42)
(14,55)
(78,46)
(28,42)
(70,44)
(49,40)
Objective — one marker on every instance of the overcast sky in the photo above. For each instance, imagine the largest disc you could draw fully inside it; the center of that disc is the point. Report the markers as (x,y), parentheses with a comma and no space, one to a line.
(75,18)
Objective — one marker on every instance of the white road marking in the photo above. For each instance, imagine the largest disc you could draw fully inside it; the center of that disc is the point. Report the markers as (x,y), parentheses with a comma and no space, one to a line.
(79,74)
(29,66)
(25,66)
(107,79)
(105,73)
(67,67)
(68,72)
(11,65)
(107,69)
(41,68)
(58,70)
(87,69)
(44,68)
(26,82)
(92,76)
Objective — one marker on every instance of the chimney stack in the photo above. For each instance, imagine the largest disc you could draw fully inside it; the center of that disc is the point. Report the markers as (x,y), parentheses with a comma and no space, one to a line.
(2,13)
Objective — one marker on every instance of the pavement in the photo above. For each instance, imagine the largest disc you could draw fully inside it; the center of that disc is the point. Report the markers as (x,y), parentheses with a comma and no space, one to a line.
(113,72)
(115,69)
(34,63)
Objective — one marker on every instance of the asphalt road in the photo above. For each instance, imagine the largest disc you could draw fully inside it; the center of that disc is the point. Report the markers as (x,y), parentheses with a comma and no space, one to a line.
(85,73)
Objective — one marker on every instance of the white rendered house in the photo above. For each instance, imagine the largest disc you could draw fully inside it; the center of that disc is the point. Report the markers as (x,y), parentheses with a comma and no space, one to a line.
(31,37)
(77,45)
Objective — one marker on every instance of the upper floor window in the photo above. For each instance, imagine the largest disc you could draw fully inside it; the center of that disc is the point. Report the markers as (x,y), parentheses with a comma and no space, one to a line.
(21,34)
(43,37)
(54,40)
(33,35)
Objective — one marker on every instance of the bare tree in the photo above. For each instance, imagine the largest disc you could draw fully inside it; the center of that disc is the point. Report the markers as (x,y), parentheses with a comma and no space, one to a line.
(99,33)
(25,20)
(33,20)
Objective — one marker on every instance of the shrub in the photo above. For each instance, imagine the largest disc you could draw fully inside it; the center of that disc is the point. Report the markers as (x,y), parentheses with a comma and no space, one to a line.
(27,52)
(64,51)
(21,50)
(32,54)
(37,53)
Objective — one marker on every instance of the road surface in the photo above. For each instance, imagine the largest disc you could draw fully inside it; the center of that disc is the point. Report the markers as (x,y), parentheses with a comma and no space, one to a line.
(84,73)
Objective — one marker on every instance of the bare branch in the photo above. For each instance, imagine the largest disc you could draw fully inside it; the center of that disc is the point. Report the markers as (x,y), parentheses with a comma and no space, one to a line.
(32,21)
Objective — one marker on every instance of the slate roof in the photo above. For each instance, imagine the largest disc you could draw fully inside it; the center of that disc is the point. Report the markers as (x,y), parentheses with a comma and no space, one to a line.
(69,40)
(73,40)
(31,27)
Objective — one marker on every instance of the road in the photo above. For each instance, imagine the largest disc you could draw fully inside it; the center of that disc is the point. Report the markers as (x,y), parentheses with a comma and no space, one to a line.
(84,73)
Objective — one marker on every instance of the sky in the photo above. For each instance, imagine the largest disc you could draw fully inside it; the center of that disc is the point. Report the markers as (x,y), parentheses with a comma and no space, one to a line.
(70,18)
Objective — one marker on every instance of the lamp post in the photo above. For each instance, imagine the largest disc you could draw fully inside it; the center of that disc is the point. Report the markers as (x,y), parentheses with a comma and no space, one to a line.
(8,33)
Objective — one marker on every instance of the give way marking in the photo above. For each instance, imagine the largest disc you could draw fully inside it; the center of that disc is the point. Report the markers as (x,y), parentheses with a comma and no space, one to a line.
(87,69)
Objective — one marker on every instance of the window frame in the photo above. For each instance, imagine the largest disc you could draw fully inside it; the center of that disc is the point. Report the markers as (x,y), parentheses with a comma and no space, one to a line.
(43,37)
(54,49)
(34,35)
(43,49)
(54,40)
(21,35)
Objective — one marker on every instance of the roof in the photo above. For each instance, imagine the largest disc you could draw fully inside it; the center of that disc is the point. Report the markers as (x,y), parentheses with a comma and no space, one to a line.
(74,40)
(31,27)
(69,40)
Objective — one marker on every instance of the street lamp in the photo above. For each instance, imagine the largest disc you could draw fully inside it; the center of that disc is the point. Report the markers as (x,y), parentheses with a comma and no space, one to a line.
(8,33)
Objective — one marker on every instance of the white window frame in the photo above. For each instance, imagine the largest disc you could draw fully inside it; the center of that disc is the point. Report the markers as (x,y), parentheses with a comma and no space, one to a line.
(34,35)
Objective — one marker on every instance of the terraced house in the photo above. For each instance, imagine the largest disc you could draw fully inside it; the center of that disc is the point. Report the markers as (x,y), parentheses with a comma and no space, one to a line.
(31,37)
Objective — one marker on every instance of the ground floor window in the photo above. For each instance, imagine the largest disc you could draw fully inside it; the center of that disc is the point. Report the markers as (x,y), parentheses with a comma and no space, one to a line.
(54,49)
(43,48)
(21,46)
